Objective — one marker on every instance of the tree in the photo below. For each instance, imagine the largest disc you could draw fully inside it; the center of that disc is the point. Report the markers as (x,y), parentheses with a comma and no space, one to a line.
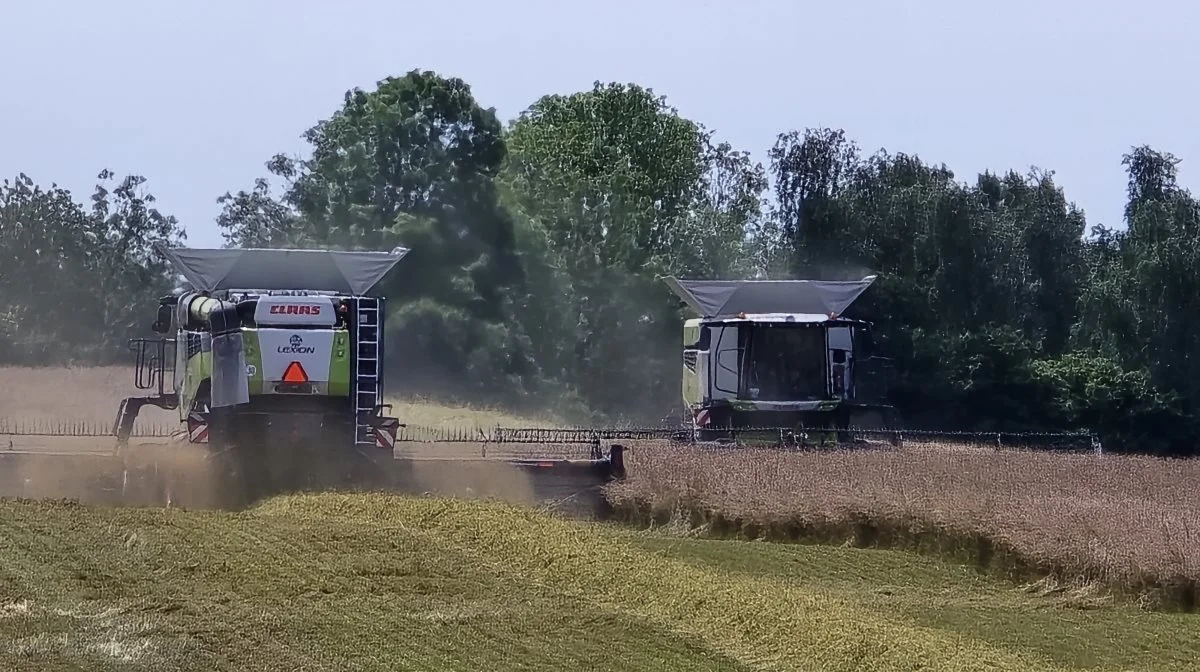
(621,189)
(973,280)
(1123,406)
(255,218)
(811,172)
(1141,304)
(76,283)
(725,234)
(412,163)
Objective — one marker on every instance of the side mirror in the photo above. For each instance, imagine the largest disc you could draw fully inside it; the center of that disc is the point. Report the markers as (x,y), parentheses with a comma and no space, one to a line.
(163,324)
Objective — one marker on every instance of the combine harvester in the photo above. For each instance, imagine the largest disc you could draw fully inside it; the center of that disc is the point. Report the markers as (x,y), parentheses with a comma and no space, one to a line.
(277,371)
(778,357)
(773,362)
(777,363)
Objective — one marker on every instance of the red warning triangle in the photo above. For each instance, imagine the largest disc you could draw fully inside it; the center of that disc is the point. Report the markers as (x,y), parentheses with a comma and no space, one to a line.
(295,374)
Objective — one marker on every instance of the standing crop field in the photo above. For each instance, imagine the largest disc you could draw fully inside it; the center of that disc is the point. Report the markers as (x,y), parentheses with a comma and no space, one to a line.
(1126,523)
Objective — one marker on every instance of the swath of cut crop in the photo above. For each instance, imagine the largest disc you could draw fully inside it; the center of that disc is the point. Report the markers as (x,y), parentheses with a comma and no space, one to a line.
(383,582)
(761,623)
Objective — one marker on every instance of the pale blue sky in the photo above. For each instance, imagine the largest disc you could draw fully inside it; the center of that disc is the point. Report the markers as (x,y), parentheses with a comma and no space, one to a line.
(196,96)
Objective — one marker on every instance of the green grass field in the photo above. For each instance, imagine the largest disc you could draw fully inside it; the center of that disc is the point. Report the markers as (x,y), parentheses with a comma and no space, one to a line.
(369,582)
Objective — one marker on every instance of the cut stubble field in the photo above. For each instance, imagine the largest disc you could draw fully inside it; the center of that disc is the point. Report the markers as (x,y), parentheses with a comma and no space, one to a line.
(1076,548)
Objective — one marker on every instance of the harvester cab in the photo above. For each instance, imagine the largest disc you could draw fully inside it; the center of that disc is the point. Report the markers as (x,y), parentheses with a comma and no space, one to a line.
(778,355)
(270,352)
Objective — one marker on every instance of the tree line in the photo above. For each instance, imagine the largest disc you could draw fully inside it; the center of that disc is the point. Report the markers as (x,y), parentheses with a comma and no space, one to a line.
(538,248)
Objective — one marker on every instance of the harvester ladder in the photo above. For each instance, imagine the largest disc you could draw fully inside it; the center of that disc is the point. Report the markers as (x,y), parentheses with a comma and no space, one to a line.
(368,381)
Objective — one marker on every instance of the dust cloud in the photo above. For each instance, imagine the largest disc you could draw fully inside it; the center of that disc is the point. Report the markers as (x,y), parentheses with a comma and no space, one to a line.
(177,473)
(161,471)
(164,472)
(89,478)
(473,479)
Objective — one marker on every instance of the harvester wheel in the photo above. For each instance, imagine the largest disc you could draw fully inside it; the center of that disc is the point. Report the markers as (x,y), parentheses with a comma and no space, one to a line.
(228,444)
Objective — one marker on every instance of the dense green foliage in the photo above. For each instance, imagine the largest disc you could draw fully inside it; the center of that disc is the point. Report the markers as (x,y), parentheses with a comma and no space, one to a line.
(538,250)
(76,282)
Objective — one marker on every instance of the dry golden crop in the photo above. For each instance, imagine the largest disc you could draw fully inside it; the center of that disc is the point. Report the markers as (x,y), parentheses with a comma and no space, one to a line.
(1125,522)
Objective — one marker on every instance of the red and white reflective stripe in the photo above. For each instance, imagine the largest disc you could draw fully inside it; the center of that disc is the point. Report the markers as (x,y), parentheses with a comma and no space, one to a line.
(701,418)
(385,438)
(197,428)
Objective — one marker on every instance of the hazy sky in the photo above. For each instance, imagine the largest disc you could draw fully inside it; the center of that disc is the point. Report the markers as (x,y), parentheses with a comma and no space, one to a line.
(196,96)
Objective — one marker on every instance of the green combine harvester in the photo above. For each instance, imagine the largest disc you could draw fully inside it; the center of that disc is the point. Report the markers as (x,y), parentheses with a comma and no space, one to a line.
(776,358)
(276,358)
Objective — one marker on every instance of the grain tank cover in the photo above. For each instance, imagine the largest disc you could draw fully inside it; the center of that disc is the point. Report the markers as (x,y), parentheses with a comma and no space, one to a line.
(344,272)
(727,298)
